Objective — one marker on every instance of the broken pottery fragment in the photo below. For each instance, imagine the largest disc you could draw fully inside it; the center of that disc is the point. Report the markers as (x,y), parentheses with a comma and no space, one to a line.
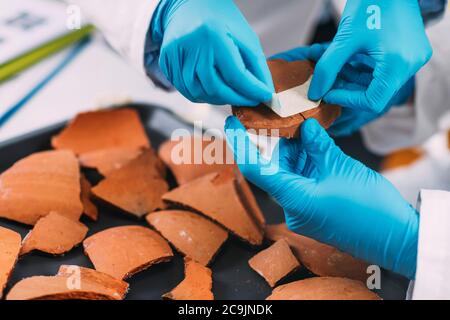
(41,183)
(193,235)
(323,288)
(123,251)
(197,284)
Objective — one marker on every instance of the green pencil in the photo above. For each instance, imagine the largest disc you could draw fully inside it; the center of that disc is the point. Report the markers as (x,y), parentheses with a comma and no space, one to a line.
(28,59)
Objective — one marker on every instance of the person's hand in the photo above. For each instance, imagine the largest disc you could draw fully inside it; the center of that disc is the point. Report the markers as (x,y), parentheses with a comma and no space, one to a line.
(355,75)
(331,197)
(210,53)
(398,45)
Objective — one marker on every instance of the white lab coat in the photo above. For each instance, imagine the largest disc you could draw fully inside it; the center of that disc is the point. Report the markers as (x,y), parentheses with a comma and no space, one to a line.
(125,25)
(412,125)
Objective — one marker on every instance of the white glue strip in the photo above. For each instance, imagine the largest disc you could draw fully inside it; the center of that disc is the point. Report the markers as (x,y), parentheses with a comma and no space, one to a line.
(292,101)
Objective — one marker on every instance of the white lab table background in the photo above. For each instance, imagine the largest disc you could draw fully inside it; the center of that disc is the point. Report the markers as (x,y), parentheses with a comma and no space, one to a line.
(99,77)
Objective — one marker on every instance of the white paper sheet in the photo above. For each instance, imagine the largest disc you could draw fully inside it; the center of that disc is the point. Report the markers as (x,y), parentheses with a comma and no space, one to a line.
(293,101)
(25,25)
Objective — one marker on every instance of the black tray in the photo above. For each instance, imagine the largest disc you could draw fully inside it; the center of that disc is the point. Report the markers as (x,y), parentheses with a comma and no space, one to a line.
(232,277)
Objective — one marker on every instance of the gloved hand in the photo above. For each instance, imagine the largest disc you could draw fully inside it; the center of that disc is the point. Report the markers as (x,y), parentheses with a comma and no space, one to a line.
(399,48)
(210,53)
(331,197)
(355,75)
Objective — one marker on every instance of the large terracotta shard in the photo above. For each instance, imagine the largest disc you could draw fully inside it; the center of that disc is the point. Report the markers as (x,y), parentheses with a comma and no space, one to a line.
(217,196)
(401,158)
(10,242)
(197,284)
(54,234)
(41,183)
(320,259)
(137,187)
(192,157)
(89,208)
(106,161)
(71,283)
(126,250)
(286,75)
(323,288)
(274,263)
(97,130)
(196,237)
(212,156)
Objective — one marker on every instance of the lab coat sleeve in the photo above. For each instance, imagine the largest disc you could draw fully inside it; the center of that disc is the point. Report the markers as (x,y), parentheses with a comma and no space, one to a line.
(411,125)
(433,256)
(124,23)
(432,9)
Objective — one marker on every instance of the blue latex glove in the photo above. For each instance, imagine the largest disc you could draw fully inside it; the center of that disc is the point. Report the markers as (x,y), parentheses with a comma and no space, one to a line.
(399,49)
(356,75)
(331,197)
(210,53)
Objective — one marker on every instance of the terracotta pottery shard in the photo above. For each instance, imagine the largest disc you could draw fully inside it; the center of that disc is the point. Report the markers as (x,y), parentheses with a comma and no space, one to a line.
(41,183)
(323,288)
(97,130)
(448,139)
(106,161)
(249,200)
(196,237)
(401,158)
(137,187)
(214,152)
(10,242)
(286,75)
(193,157)
(126,250)
(274,263)
(217,196)
(89,208)
(197,284)
(54,234)
(320,259)
(71,283)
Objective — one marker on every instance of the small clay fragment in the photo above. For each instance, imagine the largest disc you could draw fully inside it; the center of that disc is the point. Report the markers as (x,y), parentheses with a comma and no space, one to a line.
(197,283)
(321,259)
(98,130)
(401,158)
(275,262)
(54,234)
(71,283)
(41,183)
(286,75)
(89,208)
(193,157)
(448,139)
(123,251)
(10,242)
(217,196)
(137,187)
(106,161)
(196,237)
(323,288)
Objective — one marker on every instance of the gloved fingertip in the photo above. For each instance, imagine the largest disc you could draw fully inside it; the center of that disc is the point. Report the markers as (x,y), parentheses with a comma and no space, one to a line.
(234,128)
(268,94)
(315,90)
(310,130)
(230,123)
